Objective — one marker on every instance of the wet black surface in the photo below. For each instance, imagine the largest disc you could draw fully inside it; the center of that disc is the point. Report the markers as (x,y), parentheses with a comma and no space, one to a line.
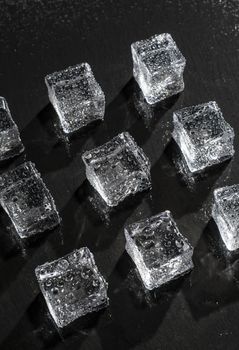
(197,311)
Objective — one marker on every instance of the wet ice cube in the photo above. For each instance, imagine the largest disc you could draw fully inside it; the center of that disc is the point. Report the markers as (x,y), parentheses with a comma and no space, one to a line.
(10,142)
(158,67)
(72,286)
(203,135)
(27,201)
(117,169)
(159,251)
(226,214)
(76,96)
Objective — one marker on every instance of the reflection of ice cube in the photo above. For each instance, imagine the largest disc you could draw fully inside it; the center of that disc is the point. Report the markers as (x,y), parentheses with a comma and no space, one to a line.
(226,214)
(10,144)
(144,109)
(158,249)
(158,67)
(27,201)
(203,135)
(72,286)
(76,96)
(117,169)
(187,177)
(100,207)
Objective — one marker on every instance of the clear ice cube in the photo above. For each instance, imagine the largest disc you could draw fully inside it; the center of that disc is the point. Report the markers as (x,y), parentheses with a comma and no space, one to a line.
(158,67)
(225,212)
(117,169)
(27,201)
(76,96)
(72,286)
(203,135)
(159,251)
(10,144)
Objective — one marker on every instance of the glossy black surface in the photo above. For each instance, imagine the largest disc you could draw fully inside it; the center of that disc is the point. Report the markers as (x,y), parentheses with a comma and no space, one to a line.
(198,311)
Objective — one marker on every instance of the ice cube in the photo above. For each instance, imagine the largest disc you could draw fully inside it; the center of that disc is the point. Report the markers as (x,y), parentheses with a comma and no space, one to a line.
(203,135)
(27,201)
(76,96)
(159,251)
(225,212)
(10,144)
(117,169)
(158,67)
(72,286)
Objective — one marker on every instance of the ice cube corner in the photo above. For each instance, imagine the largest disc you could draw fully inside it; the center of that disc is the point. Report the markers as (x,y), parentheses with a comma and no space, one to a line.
(11,144)
(225,213)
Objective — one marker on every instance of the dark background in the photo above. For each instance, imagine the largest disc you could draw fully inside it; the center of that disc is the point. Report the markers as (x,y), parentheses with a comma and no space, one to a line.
(198,311)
